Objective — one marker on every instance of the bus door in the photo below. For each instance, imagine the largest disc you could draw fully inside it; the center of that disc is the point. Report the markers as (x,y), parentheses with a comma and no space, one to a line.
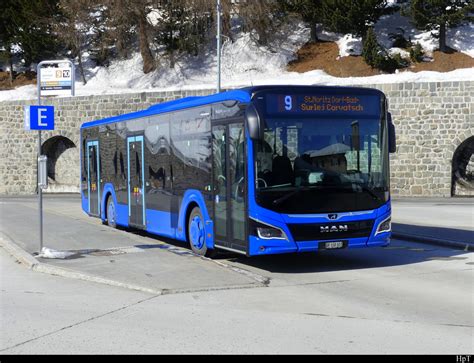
(93,177)
(136,181)
(229,185)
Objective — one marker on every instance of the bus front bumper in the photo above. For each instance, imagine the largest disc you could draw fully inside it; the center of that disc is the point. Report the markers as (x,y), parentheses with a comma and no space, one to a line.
(259,246)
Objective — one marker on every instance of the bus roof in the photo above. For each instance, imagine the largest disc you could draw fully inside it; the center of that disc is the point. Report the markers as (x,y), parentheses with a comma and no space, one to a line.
(243,95)
(188,102)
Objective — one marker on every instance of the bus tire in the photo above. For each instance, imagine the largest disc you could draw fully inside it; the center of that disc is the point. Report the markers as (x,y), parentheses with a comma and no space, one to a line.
(111,212)
(197,234)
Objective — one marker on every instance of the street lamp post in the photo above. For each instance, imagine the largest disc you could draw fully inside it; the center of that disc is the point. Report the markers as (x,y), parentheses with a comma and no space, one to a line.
(219,8)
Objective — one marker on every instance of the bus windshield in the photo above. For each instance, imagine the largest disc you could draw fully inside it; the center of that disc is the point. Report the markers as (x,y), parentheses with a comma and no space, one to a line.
(310,165)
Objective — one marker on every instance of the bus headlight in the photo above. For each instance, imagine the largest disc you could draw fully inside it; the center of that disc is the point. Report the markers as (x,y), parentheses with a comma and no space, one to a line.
(384,226)
(266,231)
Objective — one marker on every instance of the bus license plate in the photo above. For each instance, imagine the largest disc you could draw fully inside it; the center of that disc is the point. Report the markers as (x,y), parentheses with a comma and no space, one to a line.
(332,245)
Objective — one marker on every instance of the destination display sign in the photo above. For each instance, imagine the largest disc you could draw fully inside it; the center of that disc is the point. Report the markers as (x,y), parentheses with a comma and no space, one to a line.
(323,105)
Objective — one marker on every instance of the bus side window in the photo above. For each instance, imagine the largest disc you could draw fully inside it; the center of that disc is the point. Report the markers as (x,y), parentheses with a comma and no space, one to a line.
(138,167)
(122,166)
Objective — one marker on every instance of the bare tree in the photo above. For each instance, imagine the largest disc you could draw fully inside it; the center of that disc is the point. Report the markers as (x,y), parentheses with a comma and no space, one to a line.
(127,16)
(74,26)
(262,17)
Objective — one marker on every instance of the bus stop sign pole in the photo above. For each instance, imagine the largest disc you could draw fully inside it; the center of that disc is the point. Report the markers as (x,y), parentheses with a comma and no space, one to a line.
(40,189)
(60,80)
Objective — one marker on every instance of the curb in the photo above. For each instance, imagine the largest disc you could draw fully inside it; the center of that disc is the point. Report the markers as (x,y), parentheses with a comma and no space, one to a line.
(466,246)
(33,264)
(13,249)
(63,272)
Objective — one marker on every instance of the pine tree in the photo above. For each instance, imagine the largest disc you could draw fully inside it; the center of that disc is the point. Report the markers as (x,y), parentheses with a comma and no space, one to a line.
(170,29)
(371,51)
(353,16)
(440,15)
(416,53)
(184,26)
(26,31)
(8,34)
(378,57)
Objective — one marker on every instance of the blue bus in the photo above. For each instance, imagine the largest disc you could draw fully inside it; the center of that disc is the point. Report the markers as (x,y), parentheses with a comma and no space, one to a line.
(255,171)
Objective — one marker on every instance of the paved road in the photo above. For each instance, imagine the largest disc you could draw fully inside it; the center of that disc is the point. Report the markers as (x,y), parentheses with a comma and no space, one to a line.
(437,219)
(407,298)
(435,212)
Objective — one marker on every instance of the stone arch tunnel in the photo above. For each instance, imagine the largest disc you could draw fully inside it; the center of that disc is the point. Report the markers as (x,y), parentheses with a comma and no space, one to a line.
(463,168)
(62,156)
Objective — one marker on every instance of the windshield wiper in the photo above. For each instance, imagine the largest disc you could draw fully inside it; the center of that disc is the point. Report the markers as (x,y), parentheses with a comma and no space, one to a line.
(367,190)
(286,196)
(294,192)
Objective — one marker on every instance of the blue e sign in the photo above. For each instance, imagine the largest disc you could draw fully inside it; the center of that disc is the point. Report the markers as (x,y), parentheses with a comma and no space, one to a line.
(39,117)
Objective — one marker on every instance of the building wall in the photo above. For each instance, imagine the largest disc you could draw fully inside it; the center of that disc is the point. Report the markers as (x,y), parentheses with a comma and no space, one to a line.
(431,119)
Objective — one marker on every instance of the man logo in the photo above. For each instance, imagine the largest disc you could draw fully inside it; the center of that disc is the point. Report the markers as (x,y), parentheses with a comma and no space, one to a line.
(333,229)
(332,217)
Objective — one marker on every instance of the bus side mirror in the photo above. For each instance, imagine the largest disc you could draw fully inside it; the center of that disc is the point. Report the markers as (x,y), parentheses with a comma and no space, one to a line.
(254,123)
(392,141)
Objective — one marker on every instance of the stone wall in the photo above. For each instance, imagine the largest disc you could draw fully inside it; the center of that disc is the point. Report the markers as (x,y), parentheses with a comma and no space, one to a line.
(18,152)
(431,121)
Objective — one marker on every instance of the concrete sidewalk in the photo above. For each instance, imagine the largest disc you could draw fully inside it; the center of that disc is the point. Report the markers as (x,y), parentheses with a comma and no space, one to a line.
(443,221)
(110,256)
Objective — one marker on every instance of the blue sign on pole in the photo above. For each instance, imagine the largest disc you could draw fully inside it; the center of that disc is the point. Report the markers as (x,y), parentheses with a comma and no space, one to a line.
(39,117)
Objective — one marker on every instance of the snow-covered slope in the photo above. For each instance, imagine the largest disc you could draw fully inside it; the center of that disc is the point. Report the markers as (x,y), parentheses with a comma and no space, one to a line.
(245,63)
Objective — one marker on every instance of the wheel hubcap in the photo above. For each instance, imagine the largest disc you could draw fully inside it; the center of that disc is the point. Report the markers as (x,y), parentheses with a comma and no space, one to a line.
(196,232)
(111,213)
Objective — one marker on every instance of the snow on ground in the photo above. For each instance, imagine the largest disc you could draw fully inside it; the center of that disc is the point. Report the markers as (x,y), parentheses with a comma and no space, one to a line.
(316,77)
(460,38)
(349,45)
(245,63)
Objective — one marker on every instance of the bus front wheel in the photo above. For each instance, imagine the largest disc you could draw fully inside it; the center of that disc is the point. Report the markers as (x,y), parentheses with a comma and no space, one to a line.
(197,234)
(111,213)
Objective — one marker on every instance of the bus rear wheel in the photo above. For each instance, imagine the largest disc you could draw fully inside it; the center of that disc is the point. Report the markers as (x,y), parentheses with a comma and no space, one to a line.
(111,213)
(197,234)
